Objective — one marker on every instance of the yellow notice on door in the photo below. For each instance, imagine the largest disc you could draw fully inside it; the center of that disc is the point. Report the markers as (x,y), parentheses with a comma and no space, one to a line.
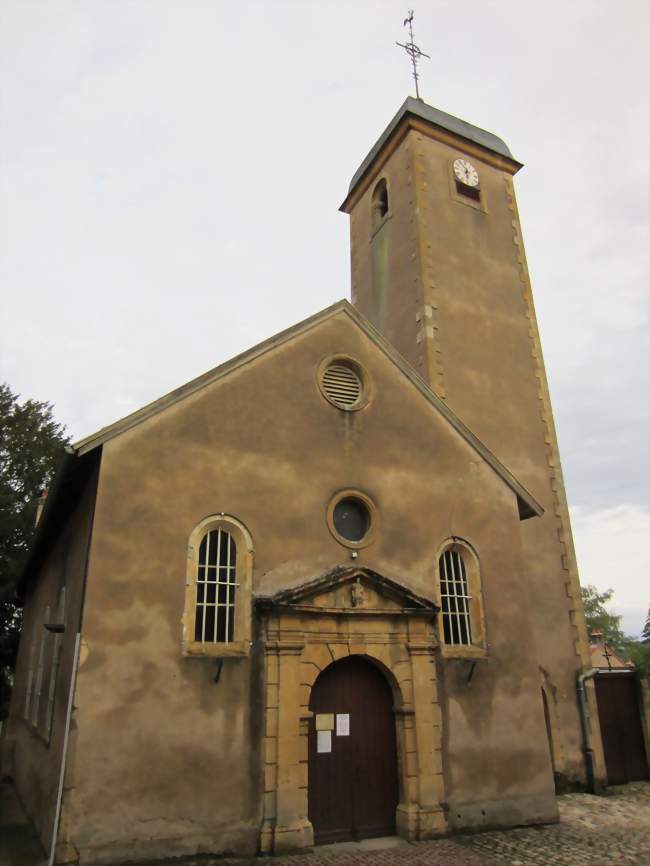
(324,721)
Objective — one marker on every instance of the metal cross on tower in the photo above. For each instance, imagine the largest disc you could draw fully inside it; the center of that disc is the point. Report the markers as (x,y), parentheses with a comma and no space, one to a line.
(413,51)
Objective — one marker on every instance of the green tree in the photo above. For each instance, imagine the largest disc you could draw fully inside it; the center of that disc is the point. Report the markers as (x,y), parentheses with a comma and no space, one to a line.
(645,634)
(600,619)
(32,444)
(639,654)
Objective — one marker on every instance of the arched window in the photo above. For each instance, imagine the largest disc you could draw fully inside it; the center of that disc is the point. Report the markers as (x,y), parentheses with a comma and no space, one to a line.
(461,609)
(379,203)
(216,586)
(217,600)
(455,599)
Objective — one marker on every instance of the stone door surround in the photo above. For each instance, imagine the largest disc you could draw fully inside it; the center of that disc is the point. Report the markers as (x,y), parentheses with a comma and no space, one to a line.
(349,611)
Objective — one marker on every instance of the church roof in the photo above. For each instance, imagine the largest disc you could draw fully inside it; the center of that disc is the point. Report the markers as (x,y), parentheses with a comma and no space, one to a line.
(419,109)
(604,658)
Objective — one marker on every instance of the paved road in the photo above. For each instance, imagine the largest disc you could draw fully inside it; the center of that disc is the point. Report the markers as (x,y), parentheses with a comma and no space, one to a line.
(613,830)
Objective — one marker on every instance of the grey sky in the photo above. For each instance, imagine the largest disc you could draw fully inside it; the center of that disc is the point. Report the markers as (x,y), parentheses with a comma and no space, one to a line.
(170,174)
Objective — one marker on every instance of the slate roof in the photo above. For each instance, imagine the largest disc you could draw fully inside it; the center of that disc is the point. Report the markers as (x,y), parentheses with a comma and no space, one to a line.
(418,108)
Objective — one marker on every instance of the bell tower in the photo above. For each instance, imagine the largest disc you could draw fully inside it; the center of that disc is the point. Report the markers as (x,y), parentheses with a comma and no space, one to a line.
(438,267)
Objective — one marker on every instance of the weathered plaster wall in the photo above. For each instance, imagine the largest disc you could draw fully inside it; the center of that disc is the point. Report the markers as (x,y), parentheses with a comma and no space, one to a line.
(164,760)
(467,323)
(30,756)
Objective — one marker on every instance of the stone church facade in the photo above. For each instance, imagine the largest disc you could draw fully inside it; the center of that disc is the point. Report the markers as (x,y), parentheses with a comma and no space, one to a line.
(326,590)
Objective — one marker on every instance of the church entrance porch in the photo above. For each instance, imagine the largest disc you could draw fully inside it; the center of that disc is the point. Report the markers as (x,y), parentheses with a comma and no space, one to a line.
(352,777)
(386,636)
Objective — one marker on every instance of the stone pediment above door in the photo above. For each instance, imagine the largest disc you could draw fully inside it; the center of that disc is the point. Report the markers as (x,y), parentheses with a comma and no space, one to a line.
(350,590)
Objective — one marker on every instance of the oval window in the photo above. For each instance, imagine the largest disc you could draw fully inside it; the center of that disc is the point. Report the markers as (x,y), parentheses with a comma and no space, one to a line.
(351,518)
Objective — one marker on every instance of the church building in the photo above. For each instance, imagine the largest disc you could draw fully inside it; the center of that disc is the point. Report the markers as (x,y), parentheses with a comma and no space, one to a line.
(327,590)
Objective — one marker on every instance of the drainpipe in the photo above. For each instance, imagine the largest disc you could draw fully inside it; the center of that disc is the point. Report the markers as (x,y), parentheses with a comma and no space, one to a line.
(584,721)
(66,737)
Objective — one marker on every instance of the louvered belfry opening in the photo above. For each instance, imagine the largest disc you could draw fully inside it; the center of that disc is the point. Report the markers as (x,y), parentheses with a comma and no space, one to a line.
(342,385)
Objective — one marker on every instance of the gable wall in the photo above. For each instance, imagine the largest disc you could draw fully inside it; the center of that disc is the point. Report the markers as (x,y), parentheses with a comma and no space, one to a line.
(166,761)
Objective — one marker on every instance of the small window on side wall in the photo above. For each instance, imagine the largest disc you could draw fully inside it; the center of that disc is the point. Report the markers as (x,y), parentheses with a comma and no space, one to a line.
(462,630)
(217,617)
(379,203)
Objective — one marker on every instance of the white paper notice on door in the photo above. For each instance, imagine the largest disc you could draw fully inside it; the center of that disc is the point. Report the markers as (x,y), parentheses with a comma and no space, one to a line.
(323,741)
(343,724)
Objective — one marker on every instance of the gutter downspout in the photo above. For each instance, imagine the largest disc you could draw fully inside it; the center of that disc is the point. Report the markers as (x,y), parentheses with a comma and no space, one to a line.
(584,722)
(68,715)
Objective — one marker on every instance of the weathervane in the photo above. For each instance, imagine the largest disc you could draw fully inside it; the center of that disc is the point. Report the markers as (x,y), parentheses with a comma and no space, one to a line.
(413,51)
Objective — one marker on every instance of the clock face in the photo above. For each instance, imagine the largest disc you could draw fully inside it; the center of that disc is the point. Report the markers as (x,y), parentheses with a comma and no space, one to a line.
(465,172)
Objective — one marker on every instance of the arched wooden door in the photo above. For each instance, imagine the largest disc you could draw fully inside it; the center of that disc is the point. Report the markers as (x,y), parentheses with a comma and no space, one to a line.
(352,753)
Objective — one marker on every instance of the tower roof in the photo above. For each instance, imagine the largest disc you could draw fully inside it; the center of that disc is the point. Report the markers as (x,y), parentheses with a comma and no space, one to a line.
(417,109)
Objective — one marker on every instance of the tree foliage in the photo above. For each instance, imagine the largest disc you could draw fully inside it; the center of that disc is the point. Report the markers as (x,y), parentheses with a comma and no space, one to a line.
(600,619)
(638,651)
(645,634)
(32,444)
(639,654)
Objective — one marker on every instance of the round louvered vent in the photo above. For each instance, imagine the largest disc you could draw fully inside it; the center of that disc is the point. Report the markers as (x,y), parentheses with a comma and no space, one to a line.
(342,385)
(344,382)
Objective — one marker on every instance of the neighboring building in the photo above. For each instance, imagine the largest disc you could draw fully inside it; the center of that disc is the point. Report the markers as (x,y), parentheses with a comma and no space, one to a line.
(327,589)
(604,658)
(621,714)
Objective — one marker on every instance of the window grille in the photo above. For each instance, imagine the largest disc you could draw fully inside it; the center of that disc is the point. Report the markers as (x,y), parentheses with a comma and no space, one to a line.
(216,582)
(455,599)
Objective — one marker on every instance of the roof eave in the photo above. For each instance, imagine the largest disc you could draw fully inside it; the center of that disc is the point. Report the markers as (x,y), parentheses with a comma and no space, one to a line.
(414,113)
(528,506)
(83,446)
(70,476)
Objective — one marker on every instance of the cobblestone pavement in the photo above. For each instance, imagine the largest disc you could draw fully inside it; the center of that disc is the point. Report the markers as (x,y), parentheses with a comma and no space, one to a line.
(613,830)
(442,852)
(593,831)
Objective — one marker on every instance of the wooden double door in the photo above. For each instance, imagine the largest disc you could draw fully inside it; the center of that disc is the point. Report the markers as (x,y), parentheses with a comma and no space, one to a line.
(620,727)
(352,753)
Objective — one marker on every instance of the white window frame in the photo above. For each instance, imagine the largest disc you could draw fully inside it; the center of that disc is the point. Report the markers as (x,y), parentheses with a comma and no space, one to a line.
(240,645)
(473,594)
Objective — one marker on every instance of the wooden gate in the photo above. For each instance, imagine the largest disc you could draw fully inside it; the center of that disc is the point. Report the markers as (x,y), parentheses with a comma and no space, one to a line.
(352,753)
(620,726)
